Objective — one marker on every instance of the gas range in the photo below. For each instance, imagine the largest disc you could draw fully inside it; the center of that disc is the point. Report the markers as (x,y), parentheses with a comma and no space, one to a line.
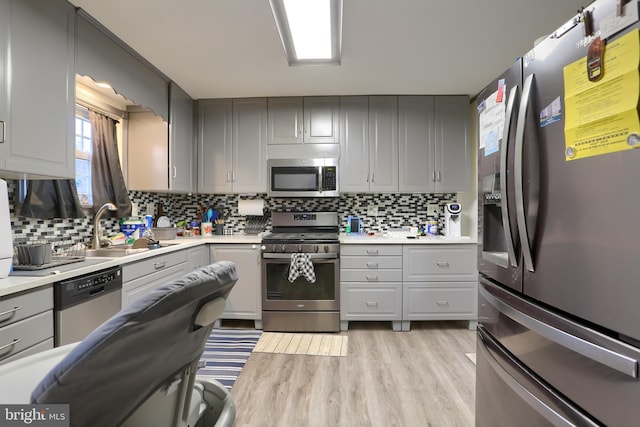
(302,232)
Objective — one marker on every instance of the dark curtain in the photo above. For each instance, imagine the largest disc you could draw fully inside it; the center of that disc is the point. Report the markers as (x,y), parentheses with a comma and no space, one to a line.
(107,182)
(52,199)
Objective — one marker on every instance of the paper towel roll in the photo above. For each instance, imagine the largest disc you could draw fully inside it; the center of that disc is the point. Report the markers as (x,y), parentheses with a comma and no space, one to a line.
(251,207)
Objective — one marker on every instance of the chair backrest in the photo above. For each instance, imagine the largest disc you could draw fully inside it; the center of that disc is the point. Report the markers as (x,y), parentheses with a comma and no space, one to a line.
(130,356)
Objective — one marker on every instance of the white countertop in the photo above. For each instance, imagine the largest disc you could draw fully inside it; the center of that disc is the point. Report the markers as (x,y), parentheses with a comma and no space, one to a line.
(364,239)
(14,284)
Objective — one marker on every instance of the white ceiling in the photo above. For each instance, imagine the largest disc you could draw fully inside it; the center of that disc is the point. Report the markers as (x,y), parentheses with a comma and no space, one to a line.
(231,48)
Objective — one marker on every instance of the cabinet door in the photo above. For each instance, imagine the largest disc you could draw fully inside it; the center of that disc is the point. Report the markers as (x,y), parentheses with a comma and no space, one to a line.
(354,144)
(321,119)
(416,144)
(147,152)
(181,174)
(214,146)
(197,257)
(244,301)
(249,174)
(5,72)
(453,153)
(40,135)
(383,143)
(285,121)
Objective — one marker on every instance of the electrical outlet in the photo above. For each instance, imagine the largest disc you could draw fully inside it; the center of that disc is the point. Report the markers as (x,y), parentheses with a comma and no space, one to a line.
(372,210)
(432,209)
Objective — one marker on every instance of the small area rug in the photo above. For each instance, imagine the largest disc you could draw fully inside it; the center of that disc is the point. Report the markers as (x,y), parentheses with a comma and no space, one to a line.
(472,357)
(226,353)
(307,344)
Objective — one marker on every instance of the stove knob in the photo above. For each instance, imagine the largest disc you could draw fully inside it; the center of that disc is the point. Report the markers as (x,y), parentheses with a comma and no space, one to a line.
(326,249)
(316,248)
(299,248)
(283,248)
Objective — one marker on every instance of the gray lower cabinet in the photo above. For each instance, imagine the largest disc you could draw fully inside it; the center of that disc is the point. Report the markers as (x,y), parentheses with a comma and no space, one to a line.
(197,257)
(141,277)
(37,54)
(26,323)
(439,283)
(371,284)
(245,299)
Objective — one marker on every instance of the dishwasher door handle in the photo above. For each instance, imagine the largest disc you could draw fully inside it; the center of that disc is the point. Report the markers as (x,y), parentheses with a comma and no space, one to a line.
(96,291)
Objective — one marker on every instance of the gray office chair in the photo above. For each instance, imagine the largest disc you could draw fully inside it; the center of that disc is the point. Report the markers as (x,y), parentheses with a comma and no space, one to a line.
(139,367)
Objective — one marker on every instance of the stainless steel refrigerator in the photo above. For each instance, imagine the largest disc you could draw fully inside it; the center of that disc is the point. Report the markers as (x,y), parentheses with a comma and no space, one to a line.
(559,245)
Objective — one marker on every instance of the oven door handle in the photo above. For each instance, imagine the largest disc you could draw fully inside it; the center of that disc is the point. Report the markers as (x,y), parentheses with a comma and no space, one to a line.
(326,255)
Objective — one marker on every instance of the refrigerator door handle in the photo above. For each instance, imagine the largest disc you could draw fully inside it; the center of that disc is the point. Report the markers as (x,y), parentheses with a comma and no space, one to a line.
(519,175)
(506,224)
(529,316)
(539,397)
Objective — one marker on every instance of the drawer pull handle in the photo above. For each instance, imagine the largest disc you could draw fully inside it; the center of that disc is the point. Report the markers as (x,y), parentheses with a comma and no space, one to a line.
(372,251)
(371,304)
(13,310)
(442,264)
(372,264)
(159,265)
(372,278)
(442,303)
(12,343)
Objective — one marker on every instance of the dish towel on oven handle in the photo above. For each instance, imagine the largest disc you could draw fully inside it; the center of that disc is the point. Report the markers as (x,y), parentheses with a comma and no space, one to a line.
(301,265)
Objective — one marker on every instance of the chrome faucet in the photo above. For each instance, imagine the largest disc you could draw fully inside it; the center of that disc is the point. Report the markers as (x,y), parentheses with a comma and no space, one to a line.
(96,242)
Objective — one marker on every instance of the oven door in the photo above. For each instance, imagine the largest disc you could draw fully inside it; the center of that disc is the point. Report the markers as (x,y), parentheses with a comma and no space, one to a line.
(279,293)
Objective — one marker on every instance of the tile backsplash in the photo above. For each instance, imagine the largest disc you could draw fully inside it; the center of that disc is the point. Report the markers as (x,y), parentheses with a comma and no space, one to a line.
(394,210)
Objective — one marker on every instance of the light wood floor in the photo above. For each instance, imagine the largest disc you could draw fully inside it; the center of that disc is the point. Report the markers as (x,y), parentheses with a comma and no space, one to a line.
(418,378)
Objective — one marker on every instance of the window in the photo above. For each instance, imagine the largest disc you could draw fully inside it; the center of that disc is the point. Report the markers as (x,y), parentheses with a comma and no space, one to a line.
(83,156)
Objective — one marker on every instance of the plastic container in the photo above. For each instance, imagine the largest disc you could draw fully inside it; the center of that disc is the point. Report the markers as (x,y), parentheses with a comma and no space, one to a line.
(165,233)
(132,229)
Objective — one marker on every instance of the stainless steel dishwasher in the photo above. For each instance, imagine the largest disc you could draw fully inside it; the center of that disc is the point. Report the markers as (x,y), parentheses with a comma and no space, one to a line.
(83,303)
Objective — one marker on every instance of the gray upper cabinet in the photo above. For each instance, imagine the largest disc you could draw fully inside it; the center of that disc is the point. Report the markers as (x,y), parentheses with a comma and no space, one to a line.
(37,59)
(383,143)
(285,121)
(214,145)
(232,138)
(452,144)
(181,141)
(321,119)
(354,144)
(416,139)
(369,144)
(434,147)
(310,120)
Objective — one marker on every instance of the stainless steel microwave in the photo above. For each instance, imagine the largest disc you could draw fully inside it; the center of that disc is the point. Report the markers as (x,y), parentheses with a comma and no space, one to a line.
(303,178)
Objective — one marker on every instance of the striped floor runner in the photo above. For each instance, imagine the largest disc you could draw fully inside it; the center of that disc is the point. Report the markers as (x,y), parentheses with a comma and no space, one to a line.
(226,352)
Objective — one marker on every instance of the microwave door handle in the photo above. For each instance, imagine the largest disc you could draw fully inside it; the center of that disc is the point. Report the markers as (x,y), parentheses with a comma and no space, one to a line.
(320,179)
(523,227)
(504,201)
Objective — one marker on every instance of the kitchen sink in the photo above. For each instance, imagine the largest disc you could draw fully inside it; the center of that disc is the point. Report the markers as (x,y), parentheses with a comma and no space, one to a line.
(120,251)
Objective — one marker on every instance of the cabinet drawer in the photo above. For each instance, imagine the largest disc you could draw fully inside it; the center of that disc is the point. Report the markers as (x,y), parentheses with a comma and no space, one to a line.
(371,250)
(426,303)
(18,307)
(142,268)
(371,263)
(440,263)
(25,333)
(44,345)
(371,275)
(136,289)
(360,301)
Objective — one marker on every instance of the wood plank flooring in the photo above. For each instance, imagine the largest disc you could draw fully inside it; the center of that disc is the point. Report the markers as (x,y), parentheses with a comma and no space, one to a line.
(416,378)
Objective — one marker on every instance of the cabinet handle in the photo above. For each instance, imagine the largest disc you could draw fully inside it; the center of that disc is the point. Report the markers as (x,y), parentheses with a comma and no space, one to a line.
(233,176)
(12,343)
(372,264)
(372,278)
(433,176)
(3,134)
(372,251)
(371,304)
(228,176)
(13,310)
(367,177)
(438,176)
(373,175)
(175,172)
(442,303)
(159,265)
(442,264)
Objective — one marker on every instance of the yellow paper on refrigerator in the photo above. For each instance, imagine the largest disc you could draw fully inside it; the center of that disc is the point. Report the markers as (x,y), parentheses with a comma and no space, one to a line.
(602,117)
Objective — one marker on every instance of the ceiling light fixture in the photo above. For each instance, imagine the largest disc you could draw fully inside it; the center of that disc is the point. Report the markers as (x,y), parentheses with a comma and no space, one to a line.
(310,30)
